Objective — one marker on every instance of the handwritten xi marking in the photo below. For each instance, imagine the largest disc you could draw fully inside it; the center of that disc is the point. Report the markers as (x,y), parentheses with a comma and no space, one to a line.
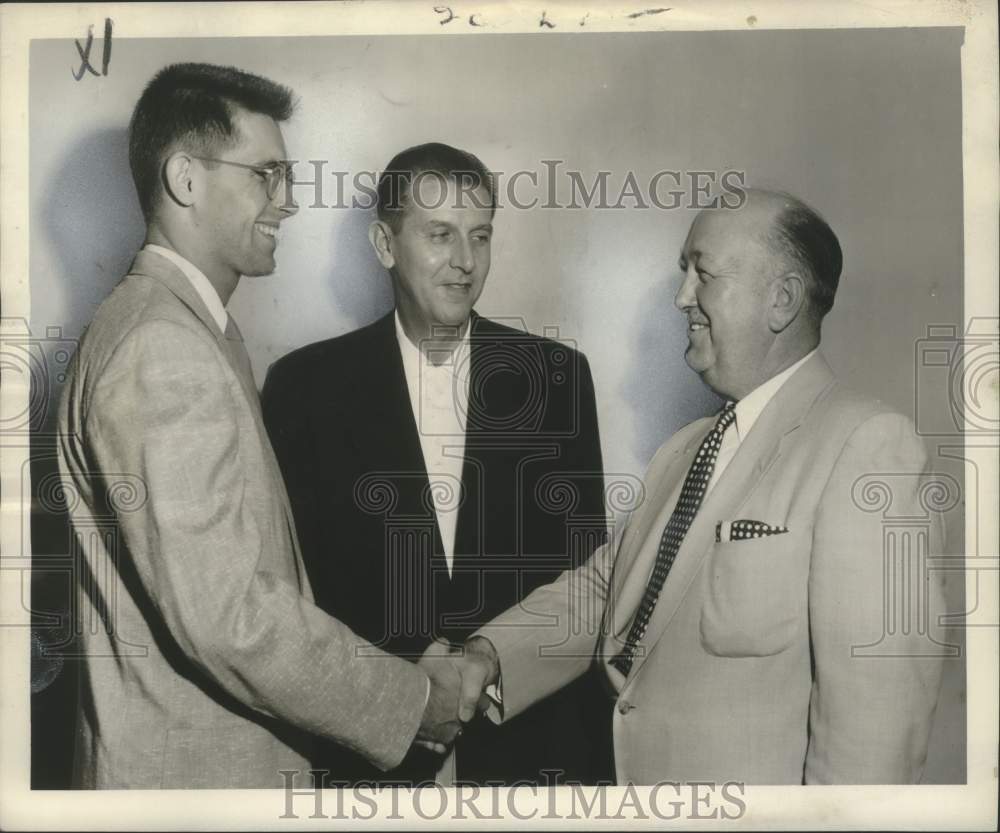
(84,51)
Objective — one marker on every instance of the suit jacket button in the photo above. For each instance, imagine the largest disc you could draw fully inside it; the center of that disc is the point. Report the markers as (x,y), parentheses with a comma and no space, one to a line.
(624,707)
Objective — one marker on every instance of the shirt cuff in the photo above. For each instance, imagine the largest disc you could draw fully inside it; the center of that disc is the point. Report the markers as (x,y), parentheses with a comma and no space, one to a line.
(494,691)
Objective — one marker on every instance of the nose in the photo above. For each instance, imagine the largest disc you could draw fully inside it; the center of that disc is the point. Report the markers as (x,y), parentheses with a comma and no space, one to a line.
(283,199)
(685,297)
(461,256)
(285,202)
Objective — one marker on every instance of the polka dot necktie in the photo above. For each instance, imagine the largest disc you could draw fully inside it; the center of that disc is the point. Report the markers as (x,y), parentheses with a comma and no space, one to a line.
(692,493)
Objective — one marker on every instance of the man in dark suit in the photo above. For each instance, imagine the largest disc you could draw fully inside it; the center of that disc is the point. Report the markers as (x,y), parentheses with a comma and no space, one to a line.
(455,461)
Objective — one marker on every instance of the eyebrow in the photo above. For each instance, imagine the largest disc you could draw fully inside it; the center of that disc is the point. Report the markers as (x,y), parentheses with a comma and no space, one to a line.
(445,224)
(704,260)
(684,259)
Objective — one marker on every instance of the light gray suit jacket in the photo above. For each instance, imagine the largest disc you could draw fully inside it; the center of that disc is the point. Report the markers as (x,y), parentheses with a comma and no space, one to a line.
(207,665)
(766,660)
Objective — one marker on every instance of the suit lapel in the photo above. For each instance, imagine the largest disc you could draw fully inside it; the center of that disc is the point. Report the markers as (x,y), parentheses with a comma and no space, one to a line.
(468,526)
(230,343)
(385,431)
(632,568)
(234,350)
(158,267)
(756,454)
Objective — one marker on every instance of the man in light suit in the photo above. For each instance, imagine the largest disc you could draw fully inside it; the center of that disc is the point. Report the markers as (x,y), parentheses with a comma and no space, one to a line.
(454,461)
(729,624)
(207,663)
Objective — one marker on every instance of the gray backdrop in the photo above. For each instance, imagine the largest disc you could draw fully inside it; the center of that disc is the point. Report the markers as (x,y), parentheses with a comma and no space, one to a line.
(863,124)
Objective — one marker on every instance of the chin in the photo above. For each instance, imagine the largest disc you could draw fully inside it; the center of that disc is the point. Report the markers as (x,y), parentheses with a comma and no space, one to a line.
(698,363)
(454,318)
(259,270)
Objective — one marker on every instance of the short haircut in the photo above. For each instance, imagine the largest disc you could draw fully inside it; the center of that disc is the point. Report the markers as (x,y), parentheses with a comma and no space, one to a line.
(395,184)
(806,239)
(192,106)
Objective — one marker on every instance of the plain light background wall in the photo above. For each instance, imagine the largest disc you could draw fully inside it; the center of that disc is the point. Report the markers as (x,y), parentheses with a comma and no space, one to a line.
(863,124)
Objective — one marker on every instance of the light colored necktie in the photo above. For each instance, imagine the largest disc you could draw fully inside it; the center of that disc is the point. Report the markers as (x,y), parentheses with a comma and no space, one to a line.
(238,352)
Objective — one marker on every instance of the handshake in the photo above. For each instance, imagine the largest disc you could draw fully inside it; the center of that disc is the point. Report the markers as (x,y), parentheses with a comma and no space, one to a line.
(459,677)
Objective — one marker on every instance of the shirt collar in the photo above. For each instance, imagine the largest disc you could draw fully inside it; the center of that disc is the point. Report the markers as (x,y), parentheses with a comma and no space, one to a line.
(414,360)
(202,285)
(751,406)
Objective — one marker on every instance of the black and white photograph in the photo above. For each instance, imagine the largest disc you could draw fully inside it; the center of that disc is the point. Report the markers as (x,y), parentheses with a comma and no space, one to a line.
(415,414)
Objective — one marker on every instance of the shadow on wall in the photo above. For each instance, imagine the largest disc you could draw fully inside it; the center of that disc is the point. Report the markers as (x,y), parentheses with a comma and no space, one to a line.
(663,392)
(93,226)
(359,284)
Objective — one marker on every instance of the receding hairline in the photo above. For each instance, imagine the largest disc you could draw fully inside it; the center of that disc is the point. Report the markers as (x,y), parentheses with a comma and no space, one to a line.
(775,207)
(396,215)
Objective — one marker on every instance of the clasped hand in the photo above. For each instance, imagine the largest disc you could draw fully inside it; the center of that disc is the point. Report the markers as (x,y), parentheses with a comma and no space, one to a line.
(458,678)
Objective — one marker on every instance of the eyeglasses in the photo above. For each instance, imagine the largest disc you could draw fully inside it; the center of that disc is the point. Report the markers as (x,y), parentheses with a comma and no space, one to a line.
(272,174)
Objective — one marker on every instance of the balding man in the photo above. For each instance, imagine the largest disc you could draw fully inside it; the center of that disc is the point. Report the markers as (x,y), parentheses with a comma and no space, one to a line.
(744,582)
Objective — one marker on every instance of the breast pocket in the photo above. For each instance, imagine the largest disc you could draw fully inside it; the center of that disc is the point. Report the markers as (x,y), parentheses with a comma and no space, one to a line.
(755,600)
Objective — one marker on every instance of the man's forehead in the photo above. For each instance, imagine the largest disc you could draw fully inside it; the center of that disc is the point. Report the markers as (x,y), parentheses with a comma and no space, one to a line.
(259,136)
(434,199)
(430,189)
(721,228)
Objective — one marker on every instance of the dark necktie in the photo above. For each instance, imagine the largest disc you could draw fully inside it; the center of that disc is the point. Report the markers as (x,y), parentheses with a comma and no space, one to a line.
(692,493)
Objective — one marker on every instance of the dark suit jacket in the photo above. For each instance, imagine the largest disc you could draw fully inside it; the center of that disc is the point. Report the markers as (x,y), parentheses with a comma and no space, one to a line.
(342,425)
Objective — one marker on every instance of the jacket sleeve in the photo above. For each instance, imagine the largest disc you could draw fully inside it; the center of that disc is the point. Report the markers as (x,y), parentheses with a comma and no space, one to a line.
(166,407)
(870,710)
(554,634)
(550,638)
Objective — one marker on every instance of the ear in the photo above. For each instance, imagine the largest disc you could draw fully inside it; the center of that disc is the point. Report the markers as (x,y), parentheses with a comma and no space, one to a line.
(179,178)
(380,236)
(788,295)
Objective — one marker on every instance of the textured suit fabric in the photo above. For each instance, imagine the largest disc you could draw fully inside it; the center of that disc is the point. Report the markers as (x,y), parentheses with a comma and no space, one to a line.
(203,647)
(532,505)
(746,670)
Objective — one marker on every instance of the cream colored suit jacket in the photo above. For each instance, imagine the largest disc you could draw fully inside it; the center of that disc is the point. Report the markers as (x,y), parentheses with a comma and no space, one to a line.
(754,666)
(207,665)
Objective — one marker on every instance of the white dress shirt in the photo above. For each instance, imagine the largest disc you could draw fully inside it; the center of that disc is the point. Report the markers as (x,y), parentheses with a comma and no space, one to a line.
(748,410)
(439,396)
(202,285)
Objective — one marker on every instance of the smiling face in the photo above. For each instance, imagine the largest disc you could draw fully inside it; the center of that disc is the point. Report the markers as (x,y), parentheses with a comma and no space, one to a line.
(440,255)
(728,269)
(235,218)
